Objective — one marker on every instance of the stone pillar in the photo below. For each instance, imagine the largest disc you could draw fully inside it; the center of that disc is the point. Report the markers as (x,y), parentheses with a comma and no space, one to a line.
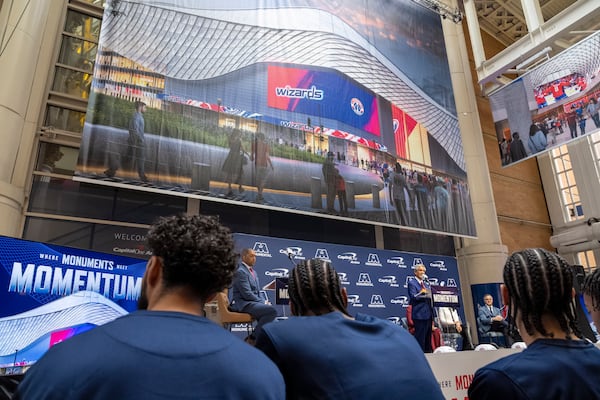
(27,52)
(375,192)
(316,200)
(350,194)
(480,260)
(201,176)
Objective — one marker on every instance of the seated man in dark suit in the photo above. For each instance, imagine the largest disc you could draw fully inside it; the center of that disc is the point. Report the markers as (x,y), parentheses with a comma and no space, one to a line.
(245,293)
(491,320)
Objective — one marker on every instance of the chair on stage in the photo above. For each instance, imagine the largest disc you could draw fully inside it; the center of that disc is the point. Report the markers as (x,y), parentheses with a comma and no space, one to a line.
(491,337)
(227,318)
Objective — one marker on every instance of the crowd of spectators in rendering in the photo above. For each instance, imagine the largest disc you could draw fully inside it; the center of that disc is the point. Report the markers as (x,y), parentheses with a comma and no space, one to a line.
(573,115)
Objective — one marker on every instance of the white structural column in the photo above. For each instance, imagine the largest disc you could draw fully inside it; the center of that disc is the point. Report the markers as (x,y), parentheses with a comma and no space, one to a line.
(474,32)
(25,51)
(533,14)
(480,260)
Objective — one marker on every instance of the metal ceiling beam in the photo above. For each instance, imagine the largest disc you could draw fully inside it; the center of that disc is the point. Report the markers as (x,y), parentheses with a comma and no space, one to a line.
(569,19)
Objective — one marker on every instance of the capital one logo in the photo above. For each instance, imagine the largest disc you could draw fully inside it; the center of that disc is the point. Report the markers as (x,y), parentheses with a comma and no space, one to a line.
(261,249)
(373,260)
(389,279)
(295,252)
(343,278)
(278,273)
(376,301)
(349,256)
(399,261)
(402,300)
(395,124)
(438,264)
(364,280)
(354,299)
(322,254)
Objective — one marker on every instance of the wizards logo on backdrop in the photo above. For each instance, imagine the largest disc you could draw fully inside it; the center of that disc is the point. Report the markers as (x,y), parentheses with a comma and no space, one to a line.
(322,94)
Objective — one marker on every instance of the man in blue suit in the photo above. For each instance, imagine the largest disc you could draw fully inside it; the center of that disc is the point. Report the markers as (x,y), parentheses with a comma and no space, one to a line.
(245,293)
(419,292)
(490,319)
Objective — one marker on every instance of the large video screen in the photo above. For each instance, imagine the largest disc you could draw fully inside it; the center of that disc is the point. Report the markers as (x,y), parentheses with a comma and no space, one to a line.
(49,293)
(551,105)
(349,117)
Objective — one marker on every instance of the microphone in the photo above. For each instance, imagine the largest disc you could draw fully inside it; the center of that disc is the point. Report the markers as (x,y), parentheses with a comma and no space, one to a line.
(289,252)
(425,278)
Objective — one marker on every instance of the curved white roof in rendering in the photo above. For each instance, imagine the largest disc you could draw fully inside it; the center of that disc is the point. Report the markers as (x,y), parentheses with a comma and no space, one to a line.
(583,58)
(194,44)
(19,331)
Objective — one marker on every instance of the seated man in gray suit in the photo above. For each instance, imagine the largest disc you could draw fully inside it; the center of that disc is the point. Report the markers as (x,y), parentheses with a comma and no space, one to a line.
(245,293)
(491,320)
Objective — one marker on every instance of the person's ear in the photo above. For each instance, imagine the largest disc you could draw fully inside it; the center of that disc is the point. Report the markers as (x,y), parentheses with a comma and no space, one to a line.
(344,293)
(154,272)
(505,295)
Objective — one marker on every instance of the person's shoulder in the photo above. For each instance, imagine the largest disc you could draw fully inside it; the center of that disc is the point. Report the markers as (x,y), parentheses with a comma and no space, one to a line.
(245,358)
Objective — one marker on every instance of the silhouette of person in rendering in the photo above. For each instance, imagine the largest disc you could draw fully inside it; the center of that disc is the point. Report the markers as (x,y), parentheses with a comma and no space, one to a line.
(262,162)
(328,170)
(135,155)
(233,166)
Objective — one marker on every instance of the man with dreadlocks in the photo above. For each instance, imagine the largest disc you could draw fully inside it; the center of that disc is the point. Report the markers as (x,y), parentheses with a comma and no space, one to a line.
(557,363)
(325,353)
(591,296)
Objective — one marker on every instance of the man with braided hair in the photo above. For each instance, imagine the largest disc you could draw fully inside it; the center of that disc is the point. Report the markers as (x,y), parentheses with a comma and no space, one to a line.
(325,353)
(591,295)
(557,363)
(167,349)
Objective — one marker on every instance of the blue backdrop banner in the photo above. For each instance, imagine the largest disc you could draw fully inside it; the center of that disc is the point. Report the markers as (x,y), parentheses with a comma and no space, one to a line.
(376,280)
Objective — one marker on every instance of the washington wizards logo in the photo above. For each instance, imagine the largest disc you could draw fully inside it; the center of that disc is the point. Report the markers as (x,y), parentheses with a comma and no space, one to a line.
(357,106)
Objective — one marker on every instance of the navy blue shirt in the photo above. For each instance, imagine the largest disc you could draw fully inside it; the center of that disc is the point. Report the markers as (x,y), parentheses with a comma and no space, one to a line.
(549,369)
(333,357)
(153,355)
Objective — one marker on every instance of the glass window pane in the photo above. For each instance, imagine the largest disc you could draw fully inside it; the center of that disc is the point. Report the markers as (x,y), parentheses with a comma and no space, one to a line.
(70,198)
(99,3)
(57,159)
(64,119)
(78,53)
(66,233)
(71,82)
(82,25)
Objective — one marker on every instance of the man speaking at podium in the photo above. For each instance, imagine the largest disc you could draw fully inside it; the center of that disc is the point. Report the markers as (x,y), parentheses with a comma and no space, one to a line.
(419,292)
